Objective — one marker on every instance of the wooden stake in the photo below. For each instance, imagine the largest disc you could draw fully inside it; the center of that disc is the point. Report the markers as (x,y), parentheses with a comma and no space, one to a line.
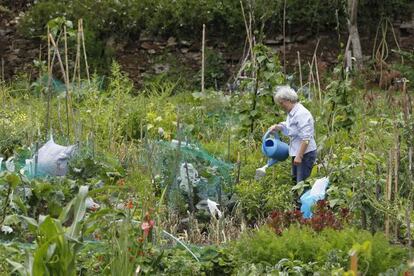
(354,263)
(300,70)
(76,70)
(317,79)
(311,77)
(238,168)
(284,37)
(249,34)
(363,213)
(66,83)
(51,62)
(65,37)
(388,191)
(228,148)
(2,70)
(408,223)
(396,162)
(84,51)
(203,57)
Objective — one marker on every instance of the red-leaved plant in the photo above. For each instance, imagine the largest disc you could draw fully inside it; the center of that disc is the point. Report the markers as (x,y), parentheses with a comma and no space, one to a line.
(323,217)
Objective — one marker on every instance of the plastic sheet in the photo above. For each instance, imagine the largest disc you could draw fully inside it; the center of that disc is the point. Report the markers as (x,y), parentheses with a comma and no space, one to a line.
(53,159)
(309,198)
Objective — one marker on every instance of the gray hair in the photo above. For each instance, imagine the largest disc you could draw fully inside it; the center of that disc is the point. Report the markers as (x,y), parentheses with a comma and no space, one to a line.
(285,93)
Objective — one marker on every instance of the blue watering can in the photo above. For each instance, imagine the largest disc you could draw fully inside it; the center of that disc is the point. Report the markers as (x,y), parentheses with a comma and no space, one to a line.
(274,149)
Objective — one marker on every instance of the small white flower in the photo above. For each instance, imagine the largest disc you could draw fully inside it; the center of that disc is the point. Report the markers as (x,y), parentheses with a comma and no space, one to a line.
(161,131)
(6,229)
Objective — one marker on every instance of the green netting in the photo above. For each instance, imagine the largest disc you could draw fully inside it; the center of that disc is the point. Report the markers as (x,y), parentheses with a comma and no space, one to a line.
(210,177)
(56,85)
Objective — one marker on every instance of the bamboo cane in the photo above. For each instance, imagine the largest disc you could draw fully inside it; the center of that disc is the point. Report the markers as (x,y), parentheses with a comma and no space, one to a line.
(396,177)
(354,263)
(284,37)
(2,70)
(66,83)
(363,213)
(84,51)
(66,52)
(76,70)
(300,70)
(203,57)
(317,79)
(238,168)
(388,191)
(51,62)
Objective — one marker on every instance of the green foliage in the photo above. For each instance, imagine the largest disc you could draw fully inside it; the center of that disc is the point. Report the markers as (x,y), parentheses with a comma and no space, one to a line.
(215,65)
(185,18)
(272,192)
(326,250)
(257,106)
(57,245)
(12,130)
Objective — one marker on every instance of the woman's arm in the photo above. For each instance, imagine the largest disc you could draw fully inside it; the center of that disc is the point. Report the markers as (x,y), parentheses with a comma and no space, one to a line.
(280,127)
(299,156)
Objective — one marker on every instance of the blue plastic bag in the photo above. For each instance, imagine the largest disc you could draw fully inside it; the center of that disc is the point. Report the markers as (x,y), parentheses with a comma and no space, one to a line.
(317,192)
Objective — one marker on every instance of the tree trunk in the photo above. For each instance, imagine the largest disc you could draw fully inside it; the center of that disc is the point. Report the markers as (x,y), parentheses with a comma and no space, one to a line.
(353,32)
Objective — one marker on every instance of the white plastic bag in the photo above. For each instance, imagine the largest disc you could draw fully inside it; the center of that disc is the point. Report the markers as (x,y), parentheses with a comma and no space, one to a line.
(209,205)
(192,177)
(317,192)
(53,158)
(319,187)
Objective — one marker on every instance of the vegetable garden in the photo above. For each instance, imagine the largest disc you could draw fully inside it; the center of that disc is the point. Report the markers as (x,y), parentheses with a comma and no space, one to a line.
(161,180)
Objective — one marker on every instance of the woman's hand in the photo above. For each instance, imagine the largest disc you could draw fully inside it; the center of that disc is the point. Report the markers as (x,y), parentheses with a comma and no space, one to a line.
(297,160)
(276,127)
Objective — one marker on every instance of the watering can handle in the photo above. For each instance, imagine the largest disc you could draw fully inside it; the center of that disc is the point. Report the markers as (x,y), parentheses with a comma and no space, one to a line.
(268,133)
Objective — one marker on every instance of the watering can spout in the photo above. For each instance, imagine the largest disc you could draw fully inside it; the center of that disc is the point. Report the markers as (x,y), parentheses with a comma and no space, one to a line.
(274,149)
(271,162)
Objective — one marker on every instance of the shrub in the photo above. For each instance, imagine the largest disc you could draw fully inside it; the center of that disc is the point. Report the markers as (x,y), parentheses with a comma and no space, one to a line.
(322,218)
(329,248)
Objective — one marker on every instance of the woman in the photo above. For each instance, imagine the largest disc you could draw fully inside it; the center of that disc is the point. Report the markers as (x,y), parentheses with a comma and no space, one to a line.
(299,126)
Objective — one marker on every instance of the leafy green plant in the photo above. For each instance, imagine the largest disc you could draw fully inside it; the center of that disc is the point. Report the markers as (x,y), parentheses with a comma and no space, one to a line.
(57,245)
(329,249)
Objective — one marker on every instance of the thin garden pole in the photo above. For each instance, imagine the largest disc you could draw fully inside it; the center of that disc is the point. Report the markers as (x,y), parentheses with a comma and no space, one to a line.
(317,79)
(190,189)
(396,176)
(388,191)
(203,57)
(66,82)
(228,147)
(84,51)
(284,37)
(362,164)
(2,70)
(238,168)
(300,70)
(51,62)
(76,70)
(65,36)
(354,263)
